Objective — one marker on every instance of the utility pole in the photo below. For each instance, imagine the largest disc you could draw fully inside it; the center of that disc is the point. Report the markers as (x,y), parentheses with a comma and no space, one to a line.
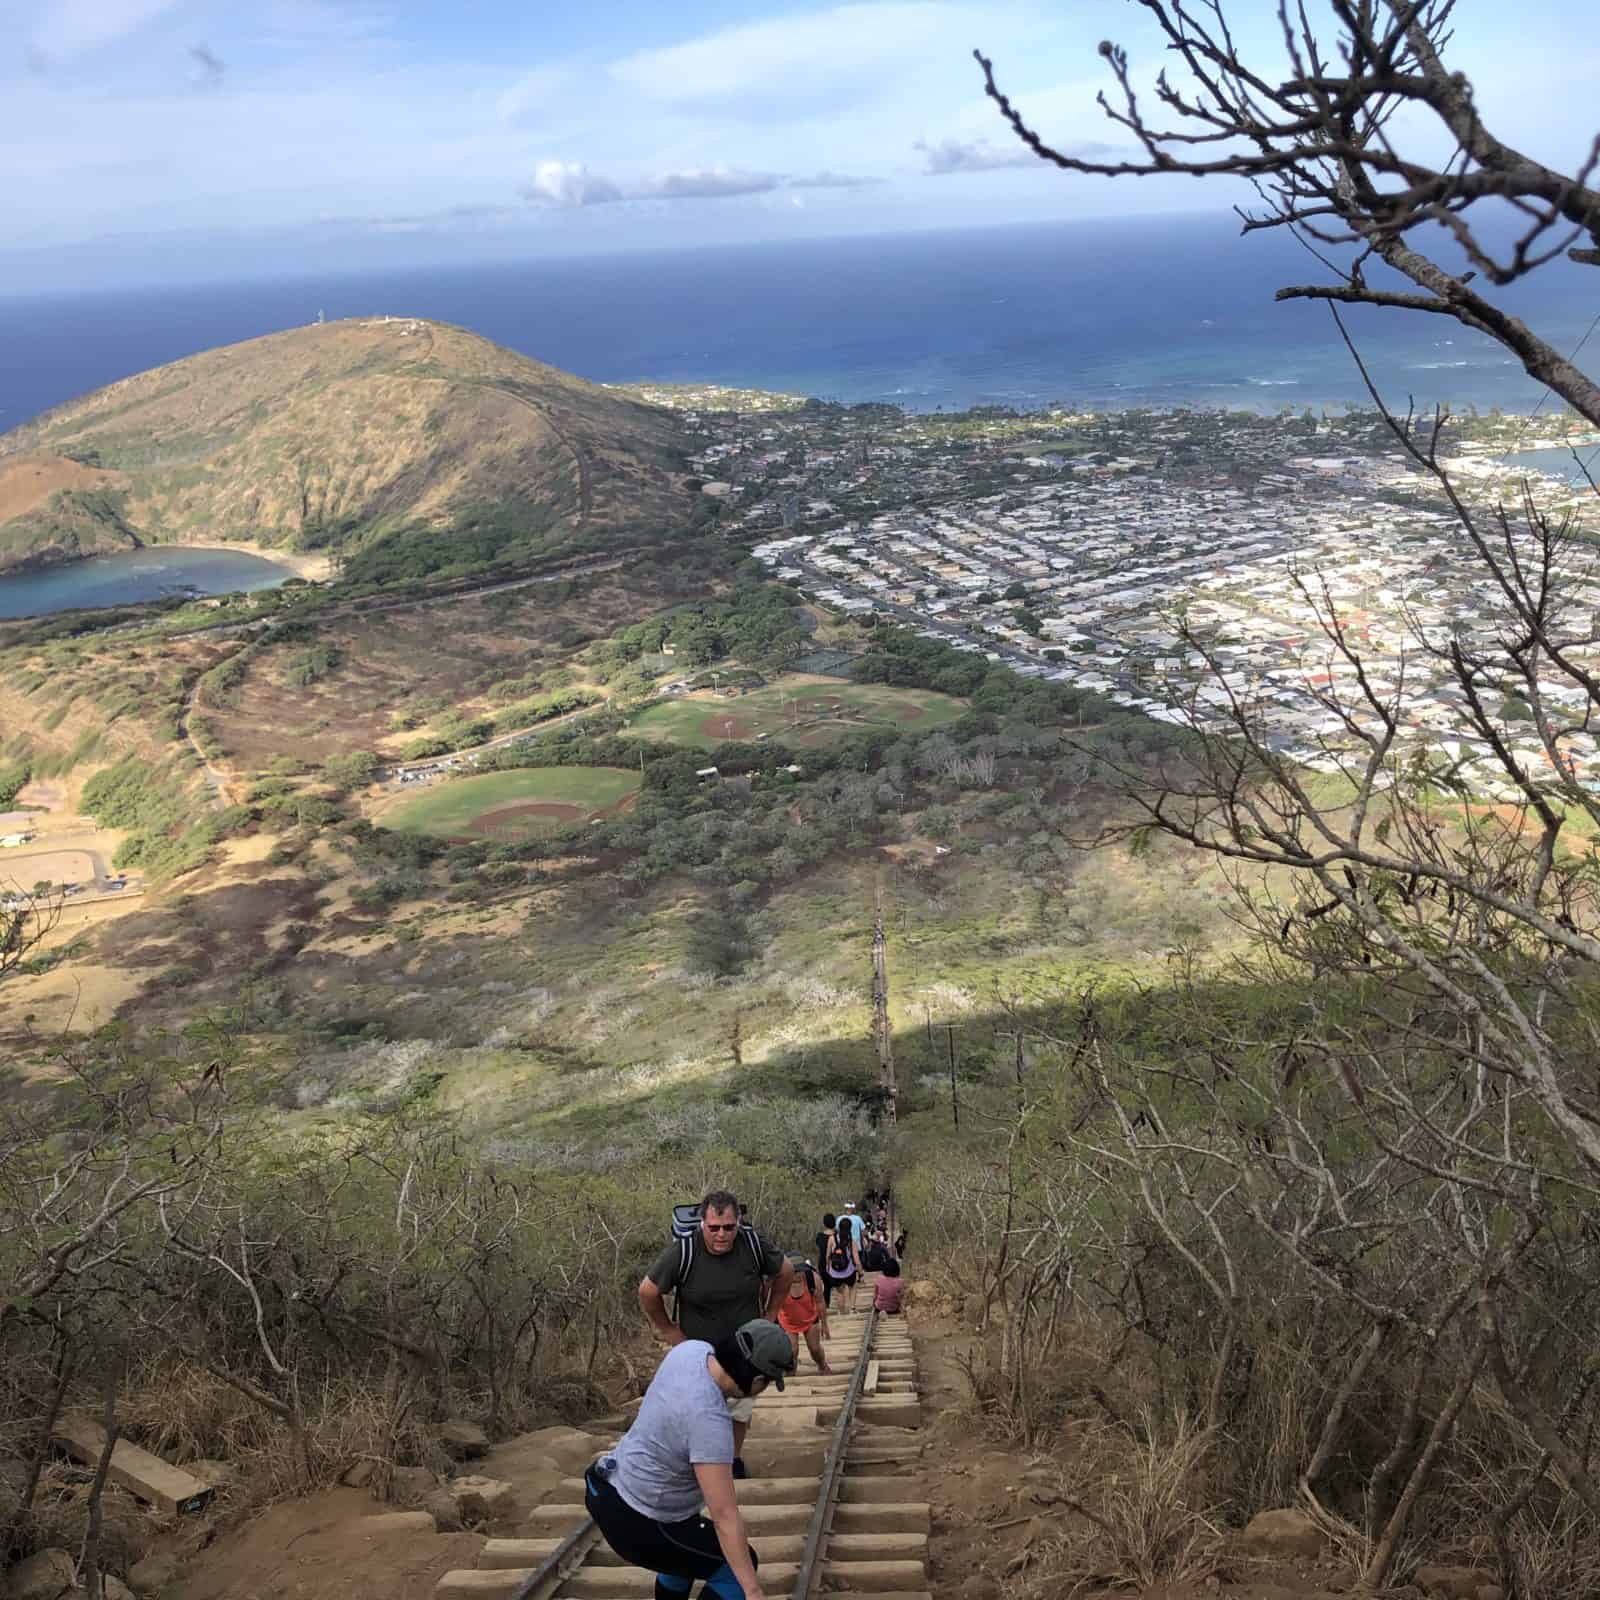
(950,1045)
(1018,1037)
(880,1008)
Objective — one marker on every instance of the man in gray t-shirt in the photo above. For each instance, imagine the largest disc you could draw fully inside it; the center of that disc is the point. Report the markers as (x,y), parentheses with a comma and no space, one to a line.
(721,1291)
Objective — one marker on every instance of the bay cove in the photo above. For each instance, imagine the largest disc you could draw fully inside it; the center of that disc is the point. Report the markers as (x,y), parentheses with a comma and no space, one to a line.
(133,577)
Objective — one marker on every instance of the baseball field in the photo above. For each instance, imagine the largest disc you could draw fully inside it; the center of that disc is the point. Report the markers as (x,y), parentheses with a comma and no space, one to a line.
(505,807)
(803,711)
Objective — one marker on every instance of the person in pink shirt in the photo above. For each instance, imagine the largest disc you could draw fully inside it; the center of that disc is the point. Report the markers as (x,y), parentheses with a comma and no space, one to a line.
(890,1287)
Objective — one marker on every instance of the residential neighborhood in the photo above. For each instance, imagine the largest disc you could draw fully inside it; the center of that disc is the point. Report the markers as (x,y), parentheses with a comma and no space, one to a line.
(1185,565)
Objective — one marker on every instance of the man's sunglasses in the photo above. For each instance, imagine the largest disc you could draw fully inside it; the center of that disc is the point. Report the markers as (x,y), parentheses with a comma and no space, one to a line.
(721,1227)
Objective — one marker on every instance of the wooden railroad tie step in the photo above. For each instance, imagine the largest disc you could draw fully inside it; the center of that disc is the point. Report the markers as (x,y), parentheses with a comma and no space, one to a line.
(890,1516)
(858,1578)
(526,1554)
(148,1477)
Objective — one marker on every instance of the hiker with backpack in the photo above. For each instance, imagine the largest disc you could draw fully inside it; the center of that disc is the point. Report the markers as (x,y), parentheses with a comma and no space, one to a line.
(646,1493)
(841,1259)
(824,1243)
(804,1314)
(722,1274)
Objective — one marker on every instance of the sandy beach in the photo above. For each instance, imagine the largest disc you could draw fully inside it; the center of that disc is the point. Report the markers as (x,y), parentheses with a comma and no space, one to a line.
(314,565)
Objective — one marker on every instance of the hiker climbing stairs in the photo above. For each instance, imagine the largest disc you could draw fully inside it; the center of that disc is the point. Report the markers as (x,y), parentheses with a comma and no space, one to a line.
(831,1504)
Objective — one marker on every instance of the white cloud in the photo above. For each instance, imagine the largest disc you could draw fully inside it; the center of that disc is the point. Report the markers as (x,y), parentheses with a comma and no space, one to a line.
(71,27)
(535,96)
(710,183)
(570,184)
(973,155)
(831,180)
(798,57)
(370,109)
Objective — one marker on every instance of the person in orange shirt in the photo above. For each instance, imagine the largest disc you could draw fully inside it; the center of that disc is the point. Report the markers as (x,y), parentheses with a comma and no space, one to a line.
(803,1314)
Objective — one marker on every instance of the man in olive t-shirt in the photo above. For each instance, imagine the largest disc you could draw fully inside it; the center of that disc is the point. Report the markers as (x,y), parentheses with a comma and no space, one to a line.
(722,1291)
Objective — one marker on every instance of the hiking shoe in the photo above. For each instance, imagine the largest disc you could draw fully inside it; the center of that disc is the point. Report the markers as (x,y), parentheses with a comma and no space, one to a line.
(740,1470)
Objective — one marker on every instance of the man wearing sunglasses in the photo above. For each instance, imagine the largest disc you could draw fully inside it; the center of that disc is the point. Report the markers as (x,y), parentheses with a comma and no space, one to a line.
(728,1276)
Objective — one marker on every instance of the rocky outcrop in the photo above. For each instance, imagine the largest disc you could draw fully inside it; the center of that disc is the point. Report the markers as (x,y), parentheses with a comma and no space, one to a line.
(1283,1534)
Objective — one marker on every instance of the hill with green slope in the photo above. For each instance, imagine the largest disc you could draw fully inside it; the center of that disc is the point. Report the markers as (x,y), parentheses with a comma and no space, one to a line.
(412,438)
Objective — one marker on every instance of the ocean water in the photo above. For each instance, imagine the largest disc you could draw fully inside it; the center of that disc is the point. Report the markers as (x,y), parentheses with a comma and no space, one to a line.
(1170,312)
(135,576)
(1579,465)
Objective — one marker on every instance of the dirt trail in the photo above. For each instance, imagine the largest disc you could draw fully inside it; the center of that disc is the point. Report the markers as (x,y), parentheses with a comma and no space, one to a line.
(216,780)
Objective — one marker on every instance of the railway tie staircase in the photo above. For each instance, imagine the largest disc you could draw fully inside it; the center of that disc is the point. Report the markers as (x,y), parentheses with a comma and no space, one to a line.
(833,1502)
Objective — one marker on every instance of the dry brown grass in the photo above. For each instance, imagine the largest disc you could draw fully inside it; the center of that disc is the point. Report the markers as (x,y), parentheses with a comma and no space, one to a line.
(452,655)
(1142,1481)
(183,1413)
(27,482)
(1145,1511)
(61,1516)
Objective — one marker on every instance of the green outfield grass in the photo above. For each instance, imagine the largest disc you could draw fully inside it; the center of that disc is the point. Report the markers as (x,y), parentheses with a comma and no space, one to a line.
(532,802)
(797,711)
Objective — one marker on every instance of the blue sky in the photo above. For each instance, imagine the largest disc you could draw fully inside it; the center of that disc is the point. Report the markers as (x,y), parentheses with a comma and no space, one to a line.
(149,139)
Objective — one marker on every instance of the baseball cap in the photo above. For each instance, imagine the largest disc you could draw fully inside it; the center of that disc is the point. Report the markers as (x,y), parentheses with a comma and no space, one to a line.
(767,1348)
(849,1205)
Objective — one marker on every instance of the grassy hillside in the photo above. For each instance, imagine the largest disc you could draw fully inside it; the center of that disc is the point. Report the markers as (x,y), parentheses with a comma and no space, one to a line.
(407,447)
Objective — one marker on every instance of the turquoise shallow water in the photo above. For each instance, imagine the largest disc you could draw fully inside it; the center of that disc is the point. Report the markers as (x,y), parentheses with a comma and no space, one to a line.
(1559,463)
(137,575)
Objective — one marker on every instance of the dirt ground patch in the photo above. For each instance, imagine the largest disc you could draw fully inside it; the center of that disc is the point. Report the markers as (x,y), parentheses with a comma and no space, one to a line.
(436,656)
(722,726)
(48,866)
(42,792)
(316,1549)
(29,481)
(514,821)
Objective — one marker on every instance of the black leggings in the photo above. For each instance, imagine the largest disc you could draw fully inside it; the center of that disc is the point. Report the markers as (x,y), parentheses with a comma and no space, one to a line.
(679,1553)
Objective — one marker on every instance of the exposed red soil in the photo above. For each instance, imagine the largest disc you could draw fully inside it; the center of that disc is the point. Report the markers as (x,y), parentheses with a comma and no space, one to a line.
(723,726)
(28,482)
(510,819)
(317,1549)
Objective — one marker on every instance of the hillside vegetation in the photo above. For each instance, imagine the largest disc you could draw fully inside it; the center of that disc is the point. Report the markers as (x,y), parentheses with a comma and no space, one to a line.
(412,438)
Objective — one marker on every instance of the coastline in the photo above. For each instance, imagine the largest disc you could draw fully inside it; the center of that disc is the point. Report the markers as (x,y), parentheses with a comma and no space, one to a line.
(158,574)
(313,565)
